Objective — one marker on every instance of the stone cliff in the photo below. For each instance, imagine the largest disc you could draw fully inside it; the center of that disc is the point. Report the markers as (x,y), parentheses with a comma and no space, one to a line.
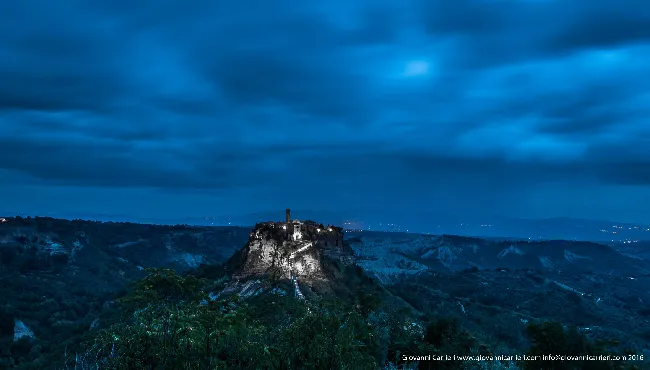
(291,250)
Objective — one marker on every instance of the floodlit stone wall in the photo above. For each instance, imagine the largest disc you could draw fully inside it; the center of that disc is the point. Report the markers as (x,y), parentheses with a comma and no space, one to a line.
(293,249)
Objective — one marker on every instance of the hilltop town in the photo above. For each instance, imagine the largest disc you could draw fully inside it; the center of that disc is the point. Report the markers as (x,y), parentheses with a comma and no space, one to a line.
(292,250)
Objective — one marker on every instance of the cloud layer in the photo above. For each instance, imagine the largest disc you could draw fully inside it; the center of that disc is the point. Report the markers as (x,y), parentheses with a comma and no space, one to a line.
(388,104)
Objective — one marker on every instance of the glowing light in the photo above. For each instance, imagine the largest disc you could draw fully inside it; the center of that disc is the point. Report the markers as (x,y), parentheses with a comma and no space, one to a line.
(417,68)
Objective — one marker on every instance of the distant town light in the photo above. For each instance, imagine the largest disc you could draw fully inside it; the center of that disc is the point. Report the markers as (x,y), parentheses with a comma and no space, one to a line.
(284,227)
(318,230)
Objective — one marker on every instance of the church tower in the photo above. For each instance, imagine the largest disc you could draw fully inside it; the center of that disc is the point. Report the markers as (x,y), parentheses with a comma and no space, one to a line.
(288,215)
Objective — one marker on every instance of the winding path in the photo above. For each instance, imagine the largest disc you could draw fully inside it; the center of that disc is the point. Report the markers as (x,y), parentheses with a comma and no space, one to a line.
(294,278)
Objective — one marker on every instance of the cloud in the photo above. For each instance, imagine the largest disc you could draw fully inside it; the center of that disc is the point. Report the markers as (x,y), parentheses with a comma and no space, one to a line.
(220,97)
(507,31)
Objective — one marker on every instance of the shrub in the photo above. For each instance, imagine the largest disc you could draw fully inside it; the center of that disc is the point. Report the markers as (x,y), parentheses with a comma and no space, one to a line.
(169,325)
(552,338)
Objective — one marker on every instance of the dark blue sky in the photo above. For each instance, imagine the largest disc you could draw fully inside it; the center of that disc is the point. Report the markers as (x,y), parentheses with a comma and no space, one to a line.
(527,108)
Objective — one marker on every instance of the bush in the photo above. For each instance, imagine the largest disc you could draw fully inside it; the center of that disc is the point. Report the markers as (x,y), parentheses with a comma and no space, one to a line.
(574,298)
(552,338)
(170,325)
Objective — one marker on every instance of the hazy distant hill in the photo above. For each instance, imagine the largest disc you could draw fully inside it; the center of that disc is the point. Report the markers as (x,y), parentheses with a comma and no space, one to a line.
(44,244)
(640,249)
(425,222)
(383,251)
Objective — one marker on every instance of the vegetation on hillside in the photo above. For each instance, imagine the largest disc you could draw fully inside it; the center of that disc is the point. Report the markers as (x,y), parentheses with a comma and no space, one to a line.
(169,321)
(120,318)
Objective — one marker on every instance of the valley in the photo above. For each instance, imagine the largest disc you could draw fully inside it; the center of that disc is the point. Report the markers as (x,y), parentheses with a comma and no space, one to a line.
(64,279)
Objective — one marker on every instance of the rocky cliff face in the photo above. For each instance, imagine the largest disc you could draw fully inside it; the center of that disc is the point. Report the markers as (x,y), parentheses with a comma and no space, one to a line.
(293,250)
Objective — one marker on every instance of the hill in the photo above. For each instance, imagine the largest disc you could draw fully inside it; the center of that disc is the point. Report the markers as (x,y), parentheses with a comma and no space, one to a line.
(73,285)
(387,253)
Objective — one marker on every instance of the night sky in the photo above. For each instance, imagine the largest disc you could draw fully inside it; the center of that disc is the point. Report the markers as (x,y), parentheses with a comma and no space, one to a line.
(160,108)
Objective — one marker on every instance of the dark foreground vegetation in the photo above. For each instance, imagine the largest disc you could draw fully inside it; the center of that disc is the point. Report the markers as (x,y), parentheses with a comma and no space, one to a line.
(169,321)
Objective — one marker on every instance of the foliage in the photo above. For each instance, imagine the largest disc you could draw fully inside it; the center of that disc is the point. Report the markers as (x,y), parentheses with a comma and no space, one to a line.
(173,326)
(169,322)
(498,305)
(164,285)
(551,338)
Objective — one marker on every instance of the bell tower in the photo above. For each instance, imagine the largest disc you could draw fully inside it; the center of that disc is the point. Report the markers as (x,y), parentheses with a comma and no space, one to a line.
(288,214)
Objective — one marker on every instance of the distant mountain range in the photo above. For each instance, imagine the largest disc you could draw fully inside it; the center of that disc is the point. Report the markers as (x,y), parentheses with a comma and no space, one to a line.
(435,223)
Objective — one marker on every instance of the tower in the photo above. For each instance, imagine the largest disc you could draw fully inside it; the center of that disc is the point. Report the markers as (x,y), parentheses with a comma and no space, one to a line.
(288,215)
